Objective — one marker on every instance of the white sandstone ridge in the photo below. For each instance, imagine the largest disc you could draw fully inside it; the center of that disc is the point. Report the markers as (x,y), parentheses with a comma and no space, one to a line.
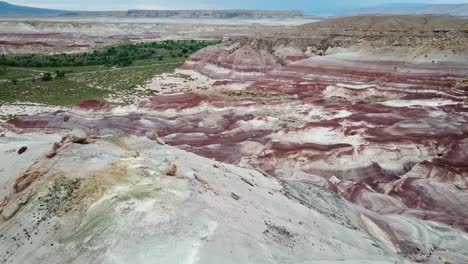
(25,108)
(134,200)
(178,82)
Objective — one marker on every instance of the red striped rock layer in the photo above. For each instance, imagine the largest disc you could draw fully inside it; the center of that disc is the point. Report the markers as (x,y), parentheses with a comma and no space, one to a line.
(390,137)
(353,79)
(228,65)
(244,60)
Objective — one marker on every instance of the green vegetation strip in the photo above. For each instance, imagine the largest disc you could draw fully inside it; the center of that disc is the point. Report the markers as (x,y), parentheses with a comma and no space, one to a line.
(120,55)
(67,79)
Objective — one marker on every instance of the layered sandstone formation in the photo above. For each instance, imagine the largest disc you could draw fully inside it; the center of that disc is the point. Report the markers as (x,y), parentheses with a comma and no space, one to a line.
(68,35)
(119,198)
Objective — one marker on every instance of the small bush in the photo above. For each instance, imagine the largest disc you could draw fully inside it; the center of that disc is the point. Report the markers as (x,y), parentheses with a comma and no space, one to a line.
(60,74)
(14,81)
(46,77)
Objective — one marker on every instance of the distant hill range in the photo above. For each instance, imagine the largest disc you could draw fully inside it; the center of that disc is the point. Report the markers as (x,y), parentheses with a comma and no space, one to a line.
(7,9)
(460,10)
(10,10)
(213,14)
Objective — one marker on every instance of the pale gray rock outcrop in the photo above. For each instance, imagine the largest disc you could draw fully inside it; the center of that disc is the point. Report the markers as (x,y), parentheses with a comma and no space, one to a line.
(121,207)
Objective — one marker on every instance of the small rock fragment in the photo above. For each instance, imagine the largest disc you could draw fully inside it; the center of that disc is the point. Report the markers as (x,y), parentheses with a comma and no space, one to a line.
(66,117)
(10,210)
(78,136)
(24,181)
(262,172)
(160,141)
(56,146)
(235,196)
(247,181)
(200,179)
(134,154)
(51,154)
(152,135)
(23,199)
(172,170)
(22,150)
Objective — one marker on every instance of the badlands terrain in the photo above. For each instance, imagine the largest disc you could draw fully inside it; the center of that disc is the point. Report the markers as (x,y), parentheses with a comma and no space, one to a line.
(341,141)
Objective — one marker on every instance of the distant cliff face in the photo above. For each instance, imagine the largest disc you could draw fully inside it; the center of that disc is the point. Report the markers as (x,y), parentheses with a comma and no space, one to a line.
(210,14)
(220,14)
(7,9)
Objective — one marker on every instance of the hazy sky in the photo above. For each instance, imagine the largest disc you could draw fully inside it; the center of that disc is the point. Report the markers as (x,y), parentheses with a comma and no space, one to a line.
(318,6)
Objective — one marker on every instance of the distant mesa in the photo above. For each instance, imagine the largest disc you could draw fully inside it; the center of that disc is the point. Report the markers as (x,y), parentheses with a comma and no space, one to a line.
(211,14)
(458,10)
(7,9)
(220,14)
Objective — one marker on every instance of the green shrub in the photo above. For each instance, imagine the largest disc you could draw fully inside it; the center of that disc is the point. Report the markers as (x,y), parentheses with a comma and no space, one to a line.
(46,77)
(60,74)
(121,55)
